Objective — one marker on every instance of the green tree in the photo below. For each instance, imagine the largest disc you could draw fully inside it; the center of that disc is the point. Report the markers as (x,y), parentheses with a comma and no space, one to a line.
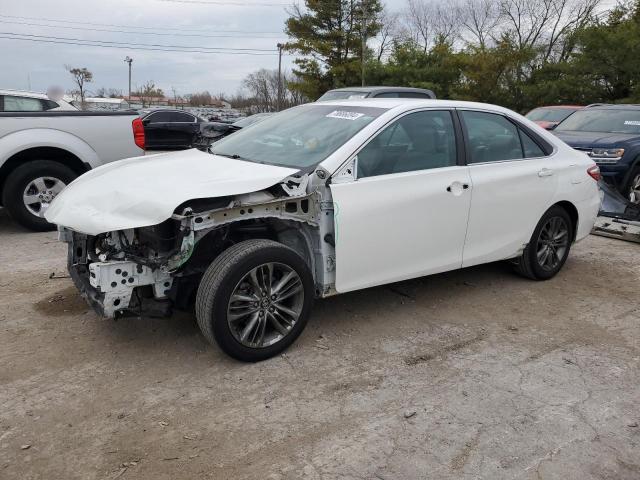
(330,35)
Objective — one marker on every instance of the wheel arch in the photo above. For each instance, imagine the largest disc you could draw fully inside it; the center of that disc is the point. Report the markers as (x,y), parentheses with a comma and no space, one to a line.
(571,209)
(53,154)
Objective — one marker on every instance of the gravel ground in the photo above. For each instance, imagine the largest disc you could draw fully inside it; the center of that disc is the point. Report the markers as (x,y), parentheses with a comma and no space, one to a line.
(471,374)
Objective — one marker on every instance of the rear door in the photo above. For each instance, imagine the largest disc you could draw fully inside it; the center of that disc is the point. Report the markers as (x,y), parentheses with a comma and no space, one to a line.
(157,130)
(183,127)
(514,181)
(406,213)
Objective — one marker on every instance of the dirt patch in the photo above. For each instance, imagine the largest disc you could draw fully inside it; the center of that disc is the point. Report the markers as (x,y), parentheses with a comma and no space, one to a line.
(425,357)
(64,302)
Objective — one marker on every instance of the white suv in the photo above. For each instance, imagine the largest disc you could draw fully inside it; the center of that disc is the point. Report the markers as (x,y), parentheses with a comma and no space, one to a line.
(19,101)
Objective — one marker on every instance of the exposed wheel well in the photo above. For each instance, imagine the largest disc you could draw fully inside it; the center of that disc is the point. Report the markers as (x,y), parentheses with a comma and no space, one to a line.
(41,153)
(573,214)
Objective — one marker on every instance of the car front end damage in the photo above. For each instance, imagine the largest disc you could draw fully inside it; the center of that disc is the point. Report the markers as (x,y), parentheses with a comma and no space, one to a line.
(149,270)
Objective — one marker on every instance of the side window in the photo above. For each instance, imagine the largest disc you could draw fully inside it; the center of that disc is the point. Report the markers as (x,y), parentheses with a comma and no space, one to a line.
(418,141)
(182,117)
(491,137)
(387,95)
(160,117)
(22,104)
(531,148)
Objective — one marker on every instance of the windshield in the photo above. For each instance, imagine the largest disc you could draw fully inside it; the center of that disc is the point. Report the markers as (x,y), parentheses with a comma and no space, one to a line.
(245,122)
(603,120)
(299,137)
(342,95)
(549,114)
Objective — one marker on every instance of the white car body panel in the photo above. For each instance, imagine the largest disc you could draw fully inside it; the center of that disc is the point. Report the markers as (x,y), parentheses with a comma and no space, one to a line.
(508,200)
(94,139)
(144,191)
(393,227)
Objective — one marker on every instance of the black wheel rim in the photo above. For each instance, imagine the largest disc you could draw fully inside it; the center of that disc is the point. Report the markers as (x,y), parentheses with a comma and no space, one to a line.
(265,305)
(553,242)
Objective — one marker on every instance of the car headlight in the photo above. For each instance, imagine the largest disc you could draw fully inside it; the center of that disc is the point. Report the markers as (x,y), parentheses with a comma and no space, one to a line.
(612,153)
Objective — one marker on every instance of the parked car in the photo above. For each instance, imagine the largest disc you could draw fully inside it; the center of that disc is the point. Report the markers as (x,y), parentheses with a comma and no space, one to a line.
(170,129)
(610,135)
(549,117)
(213,131)
(321,199)
(355,93)
(43,151)
(21,101)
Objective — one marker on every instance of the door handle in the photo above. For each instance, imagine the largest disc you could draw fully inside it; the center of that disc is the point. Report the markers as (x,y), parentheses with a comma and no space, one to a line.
(545,172)
(456,184)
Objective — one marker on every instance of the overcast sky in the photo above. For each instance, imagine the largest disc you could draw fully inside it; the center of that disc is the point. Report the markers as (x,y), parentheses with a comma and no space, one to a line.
(37,66)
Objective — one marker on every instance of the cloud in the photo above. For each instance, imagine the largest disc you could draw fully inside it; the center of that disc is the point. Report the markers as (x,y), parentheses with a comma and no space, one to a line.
(40,65)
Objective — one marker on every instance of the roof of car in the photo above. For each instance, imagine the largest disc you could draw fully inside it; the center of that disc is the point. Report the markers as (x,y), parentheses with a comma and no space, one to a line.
(380,89)
(560,107)
(610,106)
(23,93)
(409,103)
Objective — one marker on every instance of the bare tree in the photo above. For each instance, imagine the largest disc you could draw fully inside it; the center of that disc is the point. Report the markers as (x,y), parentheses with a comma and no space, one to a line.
(480,20)
(148,92)
(80,77)
(389,30)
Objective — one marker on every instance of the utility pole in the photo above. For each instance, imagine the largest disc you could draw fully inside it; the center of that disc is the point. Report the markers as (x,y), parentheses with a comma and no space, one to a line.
(280,47)
(364,39)
(129,60)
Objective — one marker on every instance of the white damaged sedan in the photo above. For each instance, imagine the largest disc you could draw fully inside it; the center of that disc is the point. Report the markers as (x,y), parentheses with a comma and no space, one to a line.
(317,200)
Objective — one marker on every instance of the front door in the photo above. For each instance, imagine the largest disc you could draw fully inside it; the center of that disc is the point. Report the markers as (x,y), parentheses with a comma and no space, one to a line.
(406,213)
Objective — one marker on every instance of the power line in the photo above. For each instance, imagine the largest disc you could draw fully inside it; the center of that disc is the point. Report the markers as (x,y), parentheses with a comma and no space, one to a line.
(136,27)
(136,45)
(227,3)
(78,43)
(93,29)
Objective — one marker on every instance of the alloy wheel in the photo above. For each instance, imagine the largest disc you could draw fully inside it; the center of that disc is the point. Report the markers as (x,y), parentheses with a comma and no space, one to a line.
(553,242)
(265,305)
(39,193)
(634,190)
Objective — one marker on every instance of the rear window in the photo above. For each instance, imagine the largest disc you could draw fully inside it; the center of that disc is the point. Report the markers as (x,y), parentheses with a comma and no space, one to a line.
(13,103)
(549,114)
(342,95)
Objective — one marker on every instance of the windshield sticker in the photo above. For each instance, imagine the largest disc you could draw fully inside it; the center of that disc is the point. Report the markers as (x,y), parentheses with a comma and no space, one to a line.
(632,122)
(345,115)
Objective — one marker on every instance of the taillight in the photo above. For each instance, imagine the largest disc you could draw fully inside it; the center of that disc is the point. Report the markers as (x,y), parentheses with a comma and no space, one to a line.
(594,172)
(138,132)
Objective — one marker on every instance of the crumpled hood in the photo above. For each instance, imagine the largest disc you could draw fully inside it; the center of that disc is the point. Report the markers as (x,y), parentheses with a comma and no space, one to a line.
(144,191)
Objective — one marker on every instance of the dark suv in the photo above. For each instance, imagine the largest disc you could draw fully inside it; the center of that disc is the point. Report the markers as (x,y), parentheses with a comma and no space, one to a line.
(610,135)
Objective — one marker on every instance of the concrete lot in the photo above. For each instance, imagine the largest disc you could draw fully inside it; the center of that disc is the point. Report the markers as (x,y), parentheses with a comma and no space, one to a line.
(471,374)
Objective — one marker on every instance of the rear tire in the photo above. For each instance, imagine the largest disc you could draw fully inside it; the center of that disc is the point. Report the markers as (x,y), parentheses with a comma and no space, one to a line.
(549,246)
(29,181)
(231,299)
(632,191)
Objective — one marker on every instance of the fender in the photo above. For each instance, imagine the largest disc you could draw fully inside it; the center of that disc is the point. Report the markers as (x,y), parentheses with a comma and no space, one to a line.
(47,137)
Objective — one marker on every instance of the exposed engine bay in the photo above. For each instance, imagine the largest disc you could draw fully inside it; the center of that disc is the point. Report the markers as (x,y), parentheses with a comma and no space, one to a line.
(150,270)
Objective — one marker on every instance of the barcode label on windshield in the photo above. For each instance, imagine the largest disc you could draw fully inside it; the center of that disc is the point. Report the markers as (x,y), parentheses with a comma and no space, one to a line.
(632,122)
(345,115)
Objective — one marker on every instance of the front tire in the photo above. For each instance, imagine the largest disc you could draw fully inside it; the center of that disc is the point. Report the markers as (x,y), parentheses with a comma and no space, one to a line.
(254,300)
(549,246)
(29,190)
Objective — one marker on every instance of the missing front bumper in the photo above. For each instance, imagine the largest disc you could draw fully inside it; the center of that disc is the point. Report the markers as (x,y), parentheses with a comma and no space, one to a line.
(120,287)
